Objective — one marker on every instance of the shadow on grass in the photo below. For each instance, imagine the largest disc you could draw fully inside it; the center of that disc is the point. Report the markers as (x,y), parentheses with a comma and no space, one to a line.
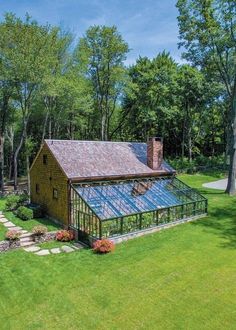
(221,217)
(48,222)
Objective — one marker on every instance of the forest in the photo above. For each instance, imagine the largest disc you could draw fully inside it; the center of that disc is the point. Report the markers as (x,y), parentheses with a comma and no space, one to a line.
(56,86)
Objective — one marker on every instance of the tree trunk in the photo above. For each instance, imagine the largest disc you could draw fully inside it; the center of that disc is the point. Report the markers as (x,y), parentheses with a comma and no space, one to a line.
(3,120)
(232,167)
(10,137)
(103,127)
(28,173)
(50,128)
(16,155)
(190,158)
(2,163)
(45,126)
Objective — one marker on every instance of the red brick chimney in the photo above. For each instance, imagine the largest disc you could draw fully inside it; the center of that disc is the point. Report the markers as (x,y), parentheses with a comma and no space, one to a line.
(155,152)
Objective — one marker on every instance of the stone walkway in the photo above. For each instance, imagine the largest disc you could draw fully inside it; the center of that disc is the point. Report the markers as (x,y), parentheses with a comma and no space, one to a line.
(29,245)
(219,184)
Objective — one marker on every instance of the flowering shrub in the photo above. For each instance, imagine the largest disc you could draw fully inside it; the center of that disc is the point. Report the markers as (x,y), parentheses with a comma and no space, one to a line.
(39,230)
(12,235)
(103,246)
(64,235)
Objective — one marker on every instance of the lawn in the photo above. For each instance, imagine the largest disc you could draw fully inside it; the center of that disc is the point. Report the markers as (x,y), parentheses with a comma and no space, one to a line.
(180,278)
(27,225)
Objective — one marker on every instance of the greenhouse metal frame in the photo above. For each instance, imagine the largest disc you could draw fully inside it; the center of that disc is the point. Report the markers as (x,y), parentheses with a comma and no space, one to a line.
(116,208)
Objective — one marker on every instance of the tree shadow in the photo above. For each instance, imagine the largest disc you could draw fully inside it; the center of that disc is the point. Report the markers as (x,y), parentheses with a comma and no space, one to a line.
(221,221)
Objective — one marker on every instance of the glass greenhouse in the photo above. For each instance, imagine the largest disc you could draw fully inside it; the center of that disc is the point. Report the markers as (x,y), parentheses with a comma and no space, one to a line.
(112,209)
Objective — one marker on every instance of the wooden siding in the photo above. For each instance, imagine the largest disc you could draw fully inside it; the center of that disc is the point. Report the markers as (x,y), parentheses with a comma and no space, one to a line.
(49,177)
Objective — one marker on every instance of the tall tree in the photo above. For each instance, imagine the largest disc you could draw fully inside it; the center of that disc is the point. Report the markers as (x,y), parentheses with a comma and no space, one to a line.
(207,30)
(150,102)
(101,54)
(28,53)
(191,87)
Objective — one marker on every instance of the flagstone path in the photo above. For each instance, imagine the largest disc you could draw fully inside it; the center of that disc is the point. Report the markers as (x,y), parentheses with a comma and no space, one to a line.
(29,245)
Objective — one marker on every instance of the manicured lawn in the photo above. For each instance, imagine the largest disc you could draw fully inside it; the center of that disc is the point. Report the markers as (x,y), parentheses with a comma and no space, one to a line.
(29,224)
(54,244)
(3,231)
(180,278)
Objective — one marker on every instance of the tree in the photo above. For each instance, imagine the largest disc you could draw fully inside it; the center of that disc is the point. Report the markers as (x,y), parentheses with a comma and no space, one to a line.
(150,101)
(207,30)
(100,55)
(190,90)
(28,53)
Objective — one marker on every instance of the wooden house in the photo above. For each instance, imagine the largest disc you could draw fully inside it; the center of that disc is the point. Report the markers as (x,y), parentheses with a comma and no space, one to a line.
(110,189)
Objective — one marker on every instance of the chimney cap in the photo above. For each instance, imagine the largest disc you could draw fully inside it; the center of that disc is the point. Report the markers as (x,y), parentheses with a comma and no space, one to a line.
(156,138)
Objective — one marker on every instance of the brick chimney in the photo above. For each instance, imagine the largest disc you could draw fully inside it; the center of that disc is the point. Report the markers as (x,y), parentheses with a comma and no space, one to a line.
(155,152)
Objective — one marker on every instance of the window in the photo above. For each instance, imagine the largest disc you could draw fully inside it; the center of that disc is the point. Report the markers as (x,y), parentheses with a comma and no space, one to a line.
(55,193)
(45,159)
(37,188)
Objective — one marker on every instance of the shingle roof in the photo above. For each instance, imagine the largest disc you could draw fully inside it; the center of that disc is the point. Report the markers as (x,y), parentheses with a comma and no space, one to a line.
(94,159)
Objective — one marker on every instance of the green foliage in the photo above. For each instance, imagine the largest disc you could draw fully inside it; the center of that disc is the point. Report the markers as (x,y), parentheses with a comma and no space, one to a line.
(190,267)
(38,210)
(12,202)
(100,56)
(24,213)
(208,33)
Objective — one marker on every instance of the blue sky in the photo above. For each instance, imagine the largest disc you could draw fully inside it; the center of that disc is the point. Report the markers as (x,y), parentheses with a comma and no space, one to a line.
(149,26)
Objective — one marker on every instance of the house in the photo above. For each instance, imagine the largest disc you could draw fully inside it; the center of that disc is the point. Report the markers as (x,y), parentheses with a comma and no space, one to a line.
(110,189)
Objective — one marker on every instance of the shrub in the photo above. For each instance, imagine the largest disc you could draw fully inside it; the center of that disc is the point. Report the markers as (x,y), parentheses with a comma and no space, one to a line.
(23,199)
(38,210)
(64,235)
(39,230)
(24,213)
(12,235)
(12,202)
(103,246)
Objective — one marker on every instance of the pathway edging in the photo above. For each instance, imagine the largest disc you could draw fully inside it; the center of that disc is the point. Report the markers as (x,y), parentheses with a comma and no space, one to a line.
(28,244)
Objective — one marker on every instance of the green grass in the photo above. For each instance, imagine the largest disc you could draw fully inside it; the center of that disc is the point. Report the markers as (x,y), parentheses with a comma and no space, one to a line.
(180,278)
(29,224)
(54,244)
(3,231)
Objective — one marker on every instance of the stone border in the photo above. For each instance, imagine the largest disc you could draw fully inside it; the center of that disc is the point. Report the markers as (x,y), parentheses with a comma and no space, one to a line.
(9,245)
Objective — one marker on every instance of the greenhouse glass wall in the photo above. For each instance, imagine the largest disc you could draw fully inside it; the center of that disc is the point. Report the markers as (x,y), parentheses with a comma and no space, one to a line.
(112,209)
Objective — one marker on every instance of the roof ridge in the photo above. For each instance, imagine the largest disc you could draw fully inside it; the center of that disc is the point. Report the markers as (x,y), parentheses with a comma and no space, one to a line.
(59,140)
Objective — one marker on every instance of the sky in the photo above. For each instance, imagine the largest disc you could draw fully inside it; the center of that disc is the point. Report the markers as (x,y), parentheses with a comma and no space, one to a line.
(148,26)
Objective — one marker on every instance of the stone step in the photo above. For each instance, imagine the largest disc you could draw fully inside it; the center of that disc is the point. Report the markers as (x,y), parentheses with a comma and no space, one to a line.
(27,234)
(9,224)
(18,229)
(25,244)
(3,220)
(32,249)
(67,249)
(55,250)
(26,239)
(24,231)
(42,252)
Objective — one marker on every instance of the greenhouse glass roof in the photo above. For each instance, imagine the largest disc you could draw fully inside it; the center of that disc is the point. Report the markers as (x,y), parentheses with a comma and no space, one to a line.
(111,200)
